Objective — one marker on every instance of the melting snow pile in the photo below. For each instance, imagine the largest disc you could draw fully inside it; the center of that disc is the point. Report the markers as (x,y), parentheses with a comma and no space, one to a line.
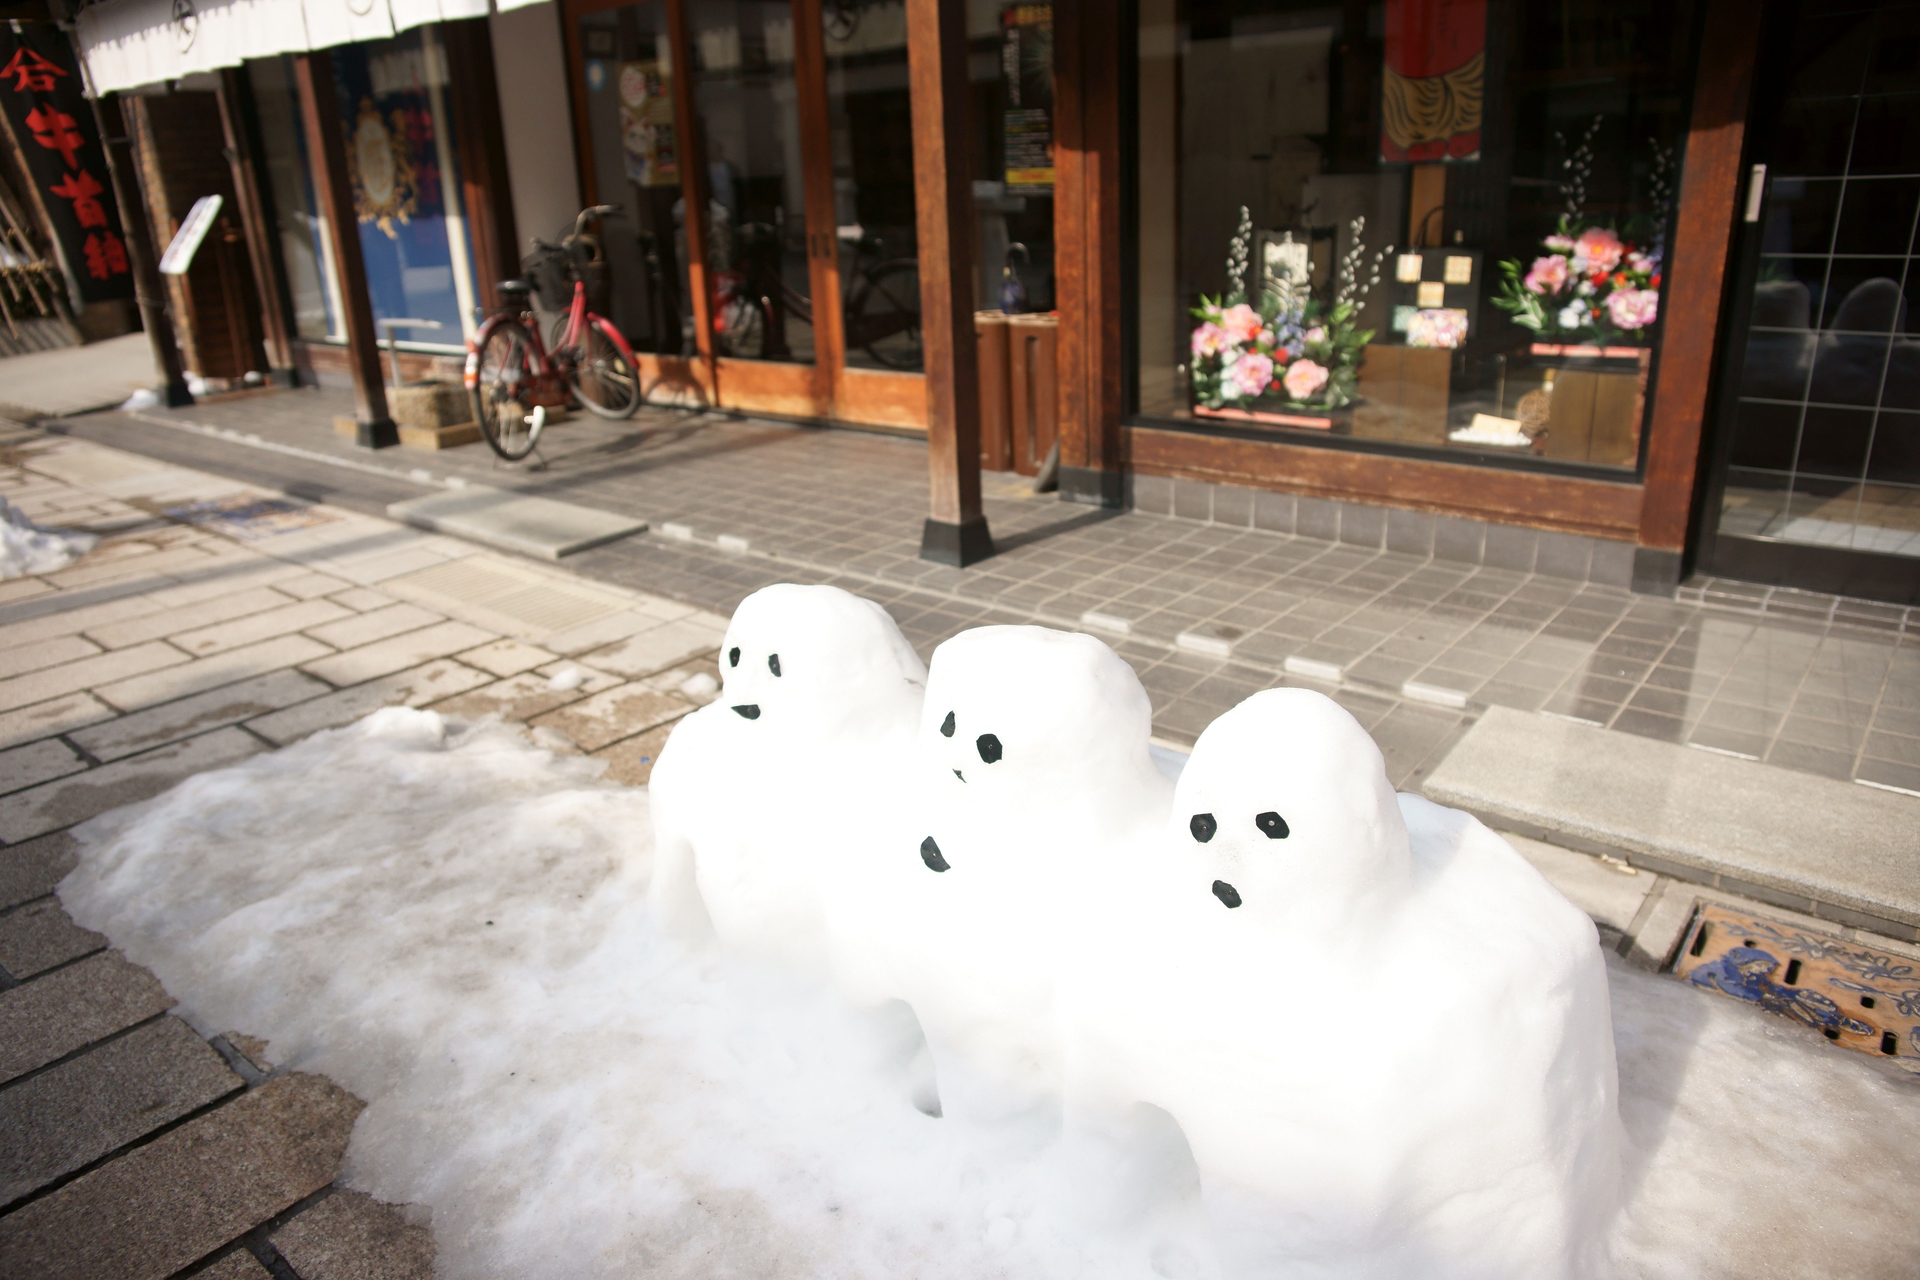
(1171,1029)
(26,548)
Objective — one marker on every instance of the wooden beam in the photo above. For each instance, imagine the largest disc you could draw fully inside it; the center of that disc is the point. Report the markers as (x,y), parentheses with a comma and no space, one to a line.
(484,188)
(1087,267)
(816,160)
(693,185)
(956,529)
(149,291)
(333,192)
(1710,188)
(254,205)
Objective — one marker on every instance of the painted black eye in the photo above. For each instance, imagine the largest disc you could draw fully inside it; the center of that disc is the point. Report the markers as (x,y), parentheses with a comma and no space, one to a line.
(989,747)
(773,663)
(946,726)
(930,854)
(733,656)
(1226,893)
(1203,826)
(1273,824)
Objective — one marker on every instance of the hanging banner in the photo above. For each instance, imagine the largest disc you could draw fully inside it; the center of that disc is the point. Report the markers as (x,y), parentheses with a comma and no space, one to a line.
(1026,65)
(53,125)
(1434,81)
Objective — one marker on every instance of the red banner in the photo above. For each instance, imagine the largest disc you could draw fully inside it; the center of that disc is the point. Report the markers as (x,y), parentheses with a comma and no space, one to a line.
(1435,76)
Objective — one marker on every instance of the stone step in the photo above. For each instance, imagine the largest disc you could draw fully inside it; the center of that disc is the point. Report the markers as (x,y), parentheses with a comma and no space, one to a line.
(520,522)
(1835,850)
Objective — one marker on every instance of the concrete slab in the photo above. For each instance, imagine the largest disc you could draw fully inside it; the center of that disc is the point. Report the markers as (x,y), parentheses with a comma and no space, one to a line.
(1812,844)
(515,521)
(67,1118)
(1609,891)
(49,1018)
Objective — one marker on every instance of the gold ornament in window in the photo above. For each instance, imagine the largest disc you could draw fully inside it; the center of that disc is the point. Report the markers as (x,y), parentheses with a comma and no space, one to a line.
(385,189)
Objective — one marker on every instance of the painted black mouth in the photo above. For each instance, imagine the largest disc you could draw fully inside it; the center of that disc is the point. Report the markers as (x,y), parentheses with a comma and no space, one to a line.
(930,854)
(751,711)
(960,775)
(1226,893)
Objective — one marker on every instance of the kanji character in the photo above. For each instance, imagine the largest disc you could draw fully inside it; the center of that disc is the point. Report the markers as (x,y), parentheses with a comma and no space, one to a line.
(32,73)
(55,131)
(84,190)
(106,256)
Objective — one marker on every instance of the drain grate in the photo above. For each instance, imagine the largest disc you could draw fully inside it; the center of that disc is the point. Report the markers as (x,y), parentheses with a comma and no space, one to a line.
(507,597)
(1858,998)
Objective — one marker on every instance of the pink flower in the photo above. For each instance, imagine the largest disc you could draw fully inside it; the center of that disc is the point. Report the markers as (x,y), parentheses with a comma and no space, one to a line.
(1633,308)
(1316,334)
(1549,274)
(1242,323)
(1559,244)
(1251,373)
(1597,249)
(1209,340)
(1304,378)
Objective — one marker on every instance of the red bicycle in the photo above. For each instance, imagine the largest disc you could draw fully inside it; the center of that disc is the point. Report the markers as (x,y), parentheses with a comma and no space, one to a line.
(512,378)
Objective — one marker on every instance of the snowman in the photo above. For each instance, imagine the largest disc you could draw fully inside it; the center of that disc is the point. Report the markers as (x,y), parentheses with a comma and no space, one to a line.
(1385,1036)
(762,798)
(1035,786)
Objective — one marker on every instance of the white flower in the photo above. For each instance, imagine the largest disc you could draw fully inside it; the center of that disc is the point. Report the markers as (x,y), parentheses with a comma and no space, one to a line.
(1573,315)
(1584,288)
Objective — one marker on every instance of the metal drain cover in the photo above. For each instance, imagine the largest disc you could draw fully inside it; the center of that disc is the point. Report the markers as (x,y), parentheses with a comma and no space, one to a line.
(520,601)
(1858,998)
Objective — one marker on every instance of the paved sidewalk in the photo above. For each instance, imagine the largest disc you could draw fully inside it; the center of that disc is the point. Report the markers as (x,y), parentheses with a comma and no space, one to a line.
(1817,683)
(52,384)
(131,1145)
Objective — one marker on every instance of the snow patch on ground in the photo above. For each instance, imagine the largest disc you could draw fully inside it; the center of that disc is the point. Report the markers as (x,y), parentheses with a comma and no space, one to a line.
(451,922)
(26,547)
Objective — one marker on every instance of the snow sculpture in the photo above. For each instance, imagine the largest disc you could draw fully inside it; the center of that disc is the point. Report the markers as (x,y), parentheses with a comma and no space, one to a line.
(762,797)
(1036,781)
(1385,1036)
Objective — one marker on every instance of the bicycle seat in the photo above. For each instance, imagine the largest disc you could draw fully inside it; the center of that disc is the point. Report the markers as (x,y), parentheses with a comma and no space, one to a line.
(514,286)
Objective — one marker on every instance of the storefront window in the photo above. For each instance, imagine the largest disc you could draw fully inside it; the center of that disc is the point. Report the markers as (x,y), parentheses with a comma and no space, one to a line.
(1433,225)
(1012,73)
(312,282)
(635,141)
(400,161)
(757,221)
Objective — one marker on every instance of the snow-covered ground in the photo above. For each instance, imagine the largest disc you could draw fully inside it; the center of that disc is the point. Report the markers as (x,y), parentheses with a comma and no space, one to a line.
(26,547)
(451,922)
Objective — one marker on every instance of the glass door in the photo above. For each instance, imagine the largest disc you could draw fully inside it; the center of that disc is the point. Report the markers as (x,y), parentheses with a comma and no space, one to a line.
(1818,480)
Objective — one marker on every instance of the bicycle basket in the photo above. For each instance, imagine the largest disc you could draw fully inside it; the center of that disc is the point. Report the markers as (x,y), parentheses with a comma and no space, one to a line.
(547,270)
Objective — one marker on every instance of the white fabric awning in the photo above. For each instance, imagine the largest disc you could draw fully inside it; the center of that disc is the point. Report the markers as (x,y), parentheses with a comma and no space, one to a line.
(128,43)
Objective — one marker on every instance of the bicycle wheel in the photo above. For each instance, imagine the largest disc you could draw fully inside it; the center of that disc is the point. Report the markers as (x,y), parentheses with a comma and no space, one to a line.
(604,378)
(504,365)
(887,314)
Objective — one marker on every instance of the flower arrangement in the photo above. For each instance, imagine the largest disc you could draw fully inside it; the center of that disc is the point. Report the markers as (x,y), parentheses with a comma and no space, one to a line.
(1590,286)
(1293,353)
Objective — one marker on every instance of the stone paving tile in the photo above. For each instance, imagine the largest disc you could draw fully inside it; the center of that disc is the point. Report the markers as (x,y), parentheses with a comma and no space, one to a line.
(663,646)
(87,673)
(40,936)
(506,657)
(630,761)
(351,1236)
(74,621)
(159,623)
(384,657)
(237,1264)
(159,1207)
(70,1115)
(31,870)
(375,624)
(21,657)
(210,673)
(429,683)
(172,721)
(47,1019)
(303,616)
(517,698)
(606,718)
(23,767)
(56,715)
(65,801)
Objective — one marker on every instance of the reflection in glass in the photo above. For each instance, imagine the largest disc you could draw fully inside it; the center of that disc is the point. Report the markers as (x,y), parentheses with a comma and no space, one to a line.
(870,115)
(313,285)
(756,218)
(1433,225)
(635,139)
(1826,427)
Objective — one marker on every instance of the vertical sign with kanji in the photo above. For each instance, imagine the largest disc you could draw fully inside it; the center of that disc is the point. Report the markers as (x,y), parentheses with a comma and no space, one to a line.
(47,110)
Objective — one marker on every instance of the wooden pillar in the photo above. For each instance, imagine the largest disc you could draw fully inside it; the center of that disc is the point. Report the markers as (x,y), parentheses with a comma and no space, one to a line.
(254,212)
(956,528)
(1086,195)
(148,290)
(1711,186)
(486,194)
(333,192)
(693,185)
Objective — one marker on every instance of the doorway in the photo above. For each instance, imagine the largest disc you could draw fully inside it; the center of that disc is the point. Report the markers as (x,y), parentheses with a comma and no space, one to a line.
(1816,478)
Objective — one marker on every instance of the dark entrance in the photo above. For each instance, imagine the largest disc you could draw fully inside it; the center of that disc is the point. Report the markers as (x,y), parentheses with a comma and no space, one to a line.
(1816,481)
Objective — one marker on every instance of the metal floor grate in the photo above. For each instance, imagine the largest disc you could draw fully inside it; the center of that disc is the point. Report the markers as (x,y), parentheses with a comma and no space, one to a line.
(508,597)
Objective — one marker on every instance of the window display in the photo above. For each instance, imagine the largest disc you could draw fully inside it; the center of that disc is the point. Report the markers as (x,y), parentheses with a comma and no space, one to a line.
(1435,225)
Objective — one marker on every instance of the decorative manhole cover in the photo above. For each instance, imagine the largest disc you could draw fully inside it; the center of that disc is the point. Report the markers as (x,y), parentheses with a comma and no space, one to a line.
(250,519)
(1857,997)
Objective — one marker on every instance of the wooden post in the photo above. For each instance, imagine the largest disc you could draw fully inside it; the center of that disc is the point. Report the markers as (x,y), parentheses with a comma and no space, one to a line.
(253,212)
(956,529)
(1710,189)
(141,256)
(474,102)
(1086,217)
(333,192)
(693,186)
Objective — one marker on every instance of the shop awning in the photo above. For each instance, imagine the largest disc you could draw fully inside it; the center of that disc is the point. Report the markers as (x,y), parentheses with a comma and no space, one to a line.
(128,43)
